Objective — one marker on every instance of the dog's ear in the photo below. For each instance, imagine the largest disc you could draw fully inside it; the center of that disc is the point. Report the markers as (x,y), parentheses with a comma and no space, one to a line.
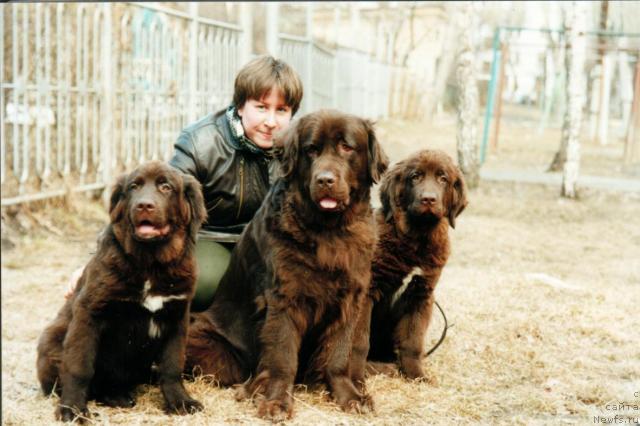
(391,190)
(194,211)
(116,201)
(458,198)
(286,146)
(378,160)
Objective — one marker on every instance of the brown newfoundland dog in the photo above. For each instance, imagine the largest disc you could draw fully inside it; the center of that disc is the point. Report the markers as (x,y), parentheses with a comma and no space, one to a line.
(287,306)
(421,197)
(130,307)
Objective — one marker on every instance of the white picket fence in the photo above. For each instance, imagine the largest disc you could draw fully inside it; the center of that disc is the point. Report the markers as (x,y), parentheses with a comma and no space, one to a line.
(91,89)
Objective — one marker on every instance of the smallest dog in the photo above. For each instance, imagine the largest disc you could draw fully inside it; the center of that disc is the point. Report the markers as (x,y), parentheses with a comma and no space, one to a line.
(130,307)
(421,197)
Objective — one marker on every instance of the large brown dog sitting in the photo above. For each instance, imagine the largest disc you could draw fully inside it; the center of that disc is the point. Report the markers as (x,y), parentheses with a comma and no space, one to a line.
(421,197)
(287,305)
(130,307)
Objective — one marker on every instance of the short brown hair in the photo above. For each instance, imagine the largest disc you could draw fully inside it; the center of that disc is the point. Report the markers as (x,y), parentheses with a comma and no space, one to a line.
(261,74)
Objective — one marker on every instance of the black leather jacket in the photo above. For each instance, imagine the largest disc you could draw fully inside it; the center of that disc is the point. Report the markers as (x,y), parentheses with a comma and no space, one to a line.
(234,180)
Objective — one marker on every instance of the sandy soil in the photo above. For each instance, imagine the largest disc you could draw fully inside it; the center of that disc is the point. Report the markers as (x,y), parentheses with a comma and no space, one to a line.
(543,294)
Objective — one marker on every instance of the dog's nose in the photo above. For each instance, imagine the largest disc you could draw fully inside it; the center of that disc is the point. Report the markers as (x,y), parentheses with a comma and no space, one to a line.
(428,198)
(326,179)
(145,205)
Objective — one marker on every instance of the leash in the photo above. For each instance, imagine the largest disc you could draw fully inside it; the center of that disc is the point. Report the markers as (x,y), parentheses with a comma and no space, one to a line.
(444,331)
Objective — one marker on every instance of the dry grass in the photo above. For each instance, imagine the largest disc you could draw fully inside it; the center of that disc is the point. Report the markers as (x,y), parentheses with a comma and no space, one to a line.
(522,349)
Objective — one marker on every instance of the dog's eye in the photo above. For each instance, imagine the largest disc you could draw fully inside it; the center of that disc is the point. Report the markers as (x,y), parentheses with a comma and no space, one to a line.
(443,179)
(133,186)
(165,187)
(416,176)
(311,150)
(345,147)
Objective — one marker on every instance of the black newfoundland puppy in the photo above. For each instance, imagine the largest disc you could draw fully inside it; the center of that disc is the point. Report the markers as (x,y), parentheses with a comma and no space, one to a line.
(421,197)
(130,308)
(287,306)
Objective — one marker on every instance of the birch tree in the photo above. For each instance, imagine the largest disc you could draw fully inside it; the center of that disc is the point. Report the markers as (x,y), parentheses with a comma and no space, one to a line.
(466,74)
(560,157)
(575,27)
(446,60)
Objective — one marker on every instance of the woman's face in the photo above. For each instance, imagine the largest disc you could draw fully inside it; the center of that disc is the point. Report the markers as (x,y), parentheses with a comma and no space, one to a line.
(262,118)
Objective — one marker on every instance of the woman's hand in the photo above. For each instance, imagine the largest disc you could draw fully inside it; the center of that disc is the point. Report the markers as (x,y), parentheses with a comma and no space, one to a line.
(73,282)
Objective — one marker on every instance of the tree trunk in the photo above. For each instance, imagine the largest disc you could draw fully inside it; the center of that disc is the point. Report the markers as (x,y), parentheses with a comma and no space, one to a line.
(575,26)
(606,71)
(445,64)
(466,73)
(560,156)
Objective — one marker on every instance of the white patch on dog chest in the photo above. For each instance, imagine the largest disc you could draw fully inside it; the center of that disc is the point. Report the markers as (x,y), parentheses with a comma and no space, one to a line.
(416,271)
(154,329)
(155,303)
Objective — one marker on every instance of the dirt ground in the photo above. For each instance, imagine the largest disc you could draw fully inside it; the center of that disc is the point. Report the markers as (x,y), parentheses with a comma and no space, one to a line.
(542,294)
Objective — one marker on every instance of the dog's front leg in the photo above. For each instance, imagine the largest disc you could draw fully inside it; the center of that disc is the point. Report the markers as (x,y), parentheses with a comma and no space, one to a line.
(171,365)
(281,337)
(358,361)
(411,331)
(339,343)
(78,366)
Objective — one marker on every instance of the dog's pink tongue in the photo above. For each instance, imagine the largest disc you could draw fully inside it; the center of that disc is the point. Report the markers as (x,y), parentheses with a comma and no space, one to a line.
(328,203)
(147,231)
(150,231)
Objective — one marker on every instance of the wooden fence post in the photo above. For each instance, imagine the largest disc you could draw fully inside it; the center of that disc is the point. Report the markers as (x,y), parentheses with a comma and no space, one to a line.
(193,62)
(246,20)
(631,149)
(106,118)
(308,100)
(498,100)
(272,30)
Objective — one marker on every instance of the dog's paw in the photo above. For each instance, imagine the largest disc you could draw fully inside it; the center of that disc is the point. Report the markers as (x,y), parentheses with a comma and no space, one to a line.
(359,382)
(240,392)
(184,406)
(66,413)
(424,378)
(420,376)
(361,405)
(275,410)
(414,375)
(412,370)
